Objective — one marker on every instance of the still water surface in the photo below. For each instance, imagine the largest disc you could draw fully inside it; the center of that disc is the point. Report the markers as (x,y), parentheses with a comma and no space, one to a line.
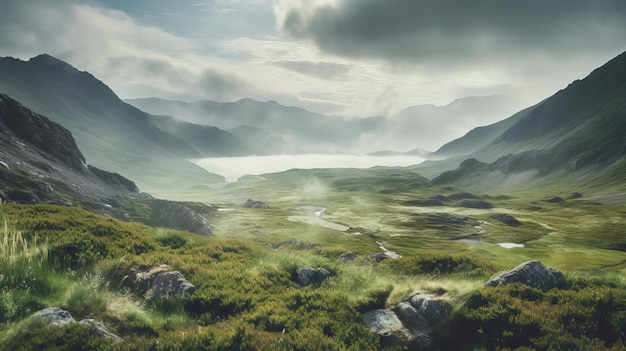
(234,167)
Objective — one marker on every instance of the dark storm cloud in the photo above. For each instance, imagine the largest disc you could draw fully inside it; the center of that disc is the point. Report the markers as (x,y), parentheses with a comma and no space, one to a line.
(322,70)
(453,31)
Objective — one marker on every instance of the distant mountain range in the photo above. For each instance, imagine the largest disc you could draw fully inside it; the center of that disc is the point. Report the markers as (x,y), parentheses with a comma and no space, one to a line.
(295,130)
(578,135)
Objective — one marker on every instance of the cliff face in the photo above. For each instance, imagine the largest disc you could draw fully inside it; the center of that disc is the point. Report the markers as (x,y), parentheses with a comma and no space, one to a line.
(47,136)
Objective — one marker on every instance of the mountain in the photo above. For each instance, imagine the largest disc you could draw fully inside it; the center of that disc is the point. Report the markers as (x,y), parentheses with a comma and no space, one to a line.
(301,131)
(112,134)
(40,162)
(576,135)
(208,141)
(425,126)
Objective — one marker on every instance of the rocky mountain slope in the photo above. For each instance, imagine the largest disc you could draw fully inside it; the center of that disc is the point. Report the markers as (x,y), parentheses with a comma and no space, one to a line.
(40,162)
(111,133)
(578,135)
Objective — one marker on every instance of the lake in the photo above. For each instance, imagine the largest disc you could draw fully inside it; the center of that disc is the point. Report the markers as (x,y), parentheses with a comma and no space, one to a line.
(234,167)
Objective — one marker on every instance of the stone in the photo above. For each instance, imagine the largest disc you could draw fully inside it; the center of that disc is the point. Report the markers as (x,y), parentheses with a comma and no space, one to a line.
(461,196)
(312,276)
(378,256)
(531,273)
(175,215)
(55,316)
(408,314)
(45,187)
(100,330)
(507,219)
(348,257)
(255,204)
(114,179)
(170,285)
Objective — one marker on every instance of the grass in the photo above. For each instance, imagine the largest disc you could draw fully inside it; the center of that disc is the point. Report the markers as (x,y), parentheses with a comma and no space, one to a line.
(246,292)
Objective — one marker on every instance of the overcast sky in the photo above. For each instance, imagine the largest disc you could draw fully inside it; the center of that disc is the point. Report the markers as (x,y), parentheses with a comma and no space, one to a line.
(344,57)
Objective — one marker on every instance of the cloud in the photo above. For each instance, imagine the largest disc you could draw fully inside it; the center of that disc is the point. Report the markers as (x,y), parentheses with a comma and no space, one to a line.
(321,70)
(454,32)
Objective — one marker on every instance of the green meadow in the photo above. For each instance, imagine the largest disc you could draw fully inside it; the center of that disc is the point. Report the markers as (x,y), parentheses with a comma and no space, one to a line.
(247,297)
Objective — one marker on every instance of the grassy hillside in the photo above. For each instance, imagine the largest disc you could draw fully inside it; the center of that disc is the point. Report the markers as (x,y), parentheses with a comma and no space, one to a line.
(247,297)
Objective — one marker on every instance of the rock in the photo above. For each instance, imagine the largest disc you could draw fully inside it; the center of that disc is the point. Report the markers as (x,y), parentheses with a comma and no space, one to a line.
(170,285)
(45,187)
(55,316)
(385,323)
(3,197)
(378,256)
(46,135)
(473,203)
(555,199)
(576,195)
(175,215)
(100,330)
(23,197)
(432,311)
(58,317)
(348,257)
(409,314)
(470,162)
(312,276)
(255,204)
(531,273)
(507,219)
(115,180)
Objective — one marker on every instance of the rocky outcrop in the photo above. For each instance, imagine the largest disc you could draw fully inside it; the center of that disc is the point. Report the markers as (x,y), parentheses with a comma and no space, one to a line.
(378,256)
(255,204)
(348,257)
(312,276)
(44,134)
(531,273)
(410,322)
(156,282)
(114,179)
(175,215)
(54,316)
(171,284)
(507,219)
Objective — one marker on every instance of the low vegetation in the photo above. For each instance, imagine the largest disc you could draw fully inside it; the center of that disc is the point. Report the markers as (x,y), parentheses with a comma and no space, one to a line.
(248,297)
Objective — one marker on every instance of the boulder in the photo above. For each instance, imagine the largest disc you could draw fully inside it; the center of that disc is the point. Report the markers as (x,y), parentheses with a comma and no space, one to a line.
(43,186)
(23,197)
(100,330)
(175,215)
(312,276)
(409,314)
(576,195)
(386,324)
(255,204)
(531,273)
(461,196)
(378,256)
(170,285)
(507,219)
(54,316)
(58,317)
(348,257)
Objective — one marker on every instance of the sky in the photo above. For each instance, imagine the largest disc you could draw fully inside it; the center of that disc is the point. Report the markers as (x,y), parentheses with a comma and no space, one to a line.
(338,57)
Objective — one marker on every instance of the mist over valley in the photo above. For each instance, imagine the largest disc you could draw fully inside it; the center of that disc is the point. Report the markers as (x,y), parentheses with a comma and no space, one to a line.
(317,175)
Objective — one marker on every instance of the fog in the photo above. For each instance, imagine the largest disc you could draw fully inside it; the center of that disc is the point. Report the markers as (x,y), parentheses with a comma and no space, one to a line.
(234,167)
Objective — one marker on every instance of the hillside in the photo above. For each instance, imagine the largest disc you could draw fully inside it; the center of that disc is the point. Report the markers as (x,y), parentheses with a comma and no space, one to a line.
(112,134)
(577,136)
(40,163)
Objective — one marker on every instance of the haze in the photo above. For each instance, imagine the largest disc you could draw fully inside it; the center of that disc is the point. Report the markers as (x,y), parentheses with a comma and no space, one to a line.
(355,58)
